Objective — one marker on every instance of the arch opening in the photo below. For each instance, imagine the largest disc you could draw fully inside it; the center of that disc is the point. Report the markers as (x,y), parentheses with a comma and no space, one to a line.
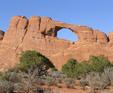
(67,34)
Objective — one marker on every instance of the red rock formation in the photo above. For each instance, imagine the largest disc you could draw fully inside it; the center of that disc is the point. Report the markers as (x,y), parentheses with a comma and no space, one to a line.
(40,34)
(1,35)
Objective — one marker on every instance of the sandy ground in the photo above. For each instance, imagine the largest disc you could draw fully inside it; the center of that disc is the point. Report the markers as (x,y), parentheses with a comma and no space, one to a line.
(76,90)
(66,90)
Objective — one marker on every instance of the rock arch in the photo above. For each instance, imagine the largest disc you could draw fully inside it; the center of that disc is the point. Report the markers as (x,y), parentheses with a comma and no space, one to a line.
(39,33)
(67,34)
(83,33)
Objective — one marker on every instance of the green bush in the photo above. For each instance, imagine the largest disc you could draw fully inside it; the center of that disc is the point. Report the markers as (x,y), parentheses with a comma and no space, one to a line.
(69,68)
(81,69)
(77,69)
(74,69)
(32,59)
(99,63)
(24,76)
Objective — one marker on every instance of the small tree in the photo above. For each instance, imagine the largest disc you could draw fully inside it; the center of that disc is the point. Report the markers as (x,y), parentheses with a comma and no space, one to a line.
(74,69)
(98,63)
(30,60)
(69,68)
(81,69)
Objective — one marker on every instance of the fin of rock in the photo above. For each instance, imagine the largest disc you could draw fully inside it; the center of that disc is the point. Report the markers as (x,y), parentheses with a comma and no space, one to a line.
(40,34)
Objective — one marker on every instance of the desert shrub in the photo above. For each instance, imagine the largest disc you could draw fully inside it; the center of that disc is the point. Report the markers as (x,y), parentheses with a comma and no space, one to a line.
(97,80)
(19,87)
(28,82)
(109,72)
(81,69)
(26,75)
(22,81)
(57,74)
(98,63)
(40,81)
(6,86)
(69,68)
(11,76)
(23,88)
(3,76)
(74,69)
(34,63)
(69,82)
(33,59)
(49,80)
(83,82)
(59,81)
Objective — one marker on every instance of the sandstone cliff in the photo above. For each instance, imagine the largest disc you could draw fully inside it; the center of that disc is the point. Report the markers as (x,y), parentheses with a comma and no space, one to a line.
(40,33)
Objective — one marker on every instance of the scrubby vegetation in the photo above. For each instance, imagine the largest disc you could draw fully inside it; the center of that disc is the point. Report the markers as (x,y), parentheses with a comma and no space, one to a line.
(35,71)
(24,77)
(32,59)
(69,68)
(77,69)
(97,72)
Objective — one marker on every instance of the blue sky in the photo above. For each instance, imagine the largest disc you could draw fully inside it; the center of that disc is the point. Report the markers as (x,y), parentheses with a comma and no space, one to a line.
(97,14)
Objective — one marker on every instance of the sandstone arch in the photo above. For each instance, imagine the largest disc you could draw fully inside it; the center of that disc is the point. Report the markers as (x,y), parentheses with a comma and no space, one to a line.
(67,34)
(83,33)
(39,33)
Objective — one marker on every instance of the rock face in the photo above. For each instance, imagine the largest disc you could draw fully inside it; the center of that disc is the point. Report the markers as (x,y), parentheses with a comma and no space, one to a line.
(40,34)
(1,34)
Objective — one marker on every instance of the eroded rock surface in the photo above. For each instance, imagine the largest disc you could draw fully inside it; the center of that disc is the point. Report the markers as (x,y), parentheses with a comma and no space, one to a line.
(40,34)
